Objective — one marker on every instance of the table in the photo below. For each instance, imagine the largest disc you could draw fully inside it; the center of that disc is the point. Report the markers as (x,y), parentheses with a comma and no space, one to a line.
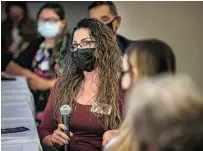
(21,145)
(15,98)
(17,90)
(19,82)
(17,110)
(12,123)
(18,115)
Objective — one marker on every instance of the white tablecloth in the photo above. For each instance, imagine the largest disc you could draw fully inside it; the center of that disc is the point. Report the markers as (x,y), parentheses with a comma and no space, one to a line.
(13,91)
(17,90)
(19,82)
(21,122)
(18,86)
(17,108)
(16,98)
(21,145)
(19,115)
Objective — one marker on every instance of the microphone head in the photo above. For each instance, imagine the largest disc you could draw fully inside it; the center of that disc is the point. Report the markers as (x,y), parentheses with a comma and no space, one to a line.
(65,110)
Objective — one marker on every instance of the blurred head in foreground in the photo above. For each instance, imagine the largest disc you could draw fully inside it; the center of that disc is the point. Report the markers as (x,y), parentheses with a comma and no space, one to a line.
(164,113)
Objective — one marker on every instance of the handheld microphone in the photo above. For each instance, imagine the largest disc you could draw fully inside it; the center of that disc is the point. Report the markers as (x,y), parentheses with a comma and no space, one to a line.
(65,118)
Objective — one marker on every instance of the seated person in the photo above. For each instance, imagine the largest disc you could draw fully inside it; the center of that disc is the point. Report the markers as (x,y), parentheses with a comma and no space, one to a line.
(17,30)
(144,58)
(38,61)
(90,86)
(147,57)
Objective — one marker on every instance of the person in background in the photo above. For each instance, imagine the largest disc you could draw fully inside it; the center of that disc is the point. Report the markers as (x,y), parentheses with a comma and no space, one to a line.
(106,12)
(147,57)
(17,30)
(167,114)
(38,62)
(144,58)
(88,88)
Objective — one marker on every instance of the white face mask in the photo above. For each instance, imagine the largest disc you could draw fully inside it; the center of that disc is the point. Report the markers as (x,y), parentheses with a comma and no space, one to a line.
(48,30)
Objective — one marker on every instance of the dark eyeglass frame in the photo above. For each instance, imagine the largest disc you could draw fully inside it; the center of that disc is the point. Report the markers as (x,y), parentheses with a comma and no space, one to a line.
(83,44)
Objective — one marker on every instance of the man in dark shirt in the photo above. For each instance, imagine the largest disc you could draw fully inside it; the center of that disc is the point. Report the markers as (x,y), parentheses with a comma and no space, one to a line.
(106,12)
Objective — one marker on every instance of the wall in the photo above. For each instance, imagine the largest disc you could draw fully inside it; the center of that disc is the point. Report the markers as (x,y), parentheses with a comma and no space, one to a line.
(180,24)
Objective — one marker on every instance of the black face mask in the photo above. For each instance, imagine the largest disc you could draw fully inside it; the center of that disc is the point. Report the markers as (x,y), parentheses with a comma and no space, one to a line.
(85,59)
(110,24)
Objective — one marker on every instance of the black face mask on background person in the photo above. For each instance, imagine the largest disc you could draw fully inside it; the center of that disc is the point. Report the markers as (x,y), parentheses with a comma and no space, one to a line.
(110,24)
(84,59)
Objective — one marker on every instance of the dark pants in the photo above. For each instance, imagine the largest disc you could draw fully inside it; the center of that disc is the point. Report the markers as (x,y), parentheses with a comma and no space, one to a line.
(5,59)
(51,148)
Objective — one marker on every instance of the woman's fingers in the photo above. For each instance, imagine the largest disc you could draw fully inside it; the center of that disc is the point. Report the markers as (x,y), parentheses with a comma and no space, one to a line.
(104,143)
(71,134)
(108,135)
(61,134)
(56,142)
(113,132)
(62,127)
(59,138)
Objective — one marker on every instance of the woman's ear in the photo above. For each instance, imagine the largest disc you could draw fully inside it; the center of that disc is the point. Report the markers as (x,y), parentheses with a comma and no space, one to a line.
(118,20)
(63,23)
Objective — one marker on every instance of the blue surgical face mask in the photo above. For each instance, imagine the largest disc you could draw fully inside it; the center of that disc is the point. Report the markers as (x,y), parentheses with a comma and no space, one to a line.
(48,30)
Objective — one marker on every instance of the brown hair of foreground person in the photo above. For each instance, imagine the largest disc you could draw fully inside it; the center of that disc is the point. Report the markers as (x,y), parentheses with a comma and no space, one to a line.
(164,113)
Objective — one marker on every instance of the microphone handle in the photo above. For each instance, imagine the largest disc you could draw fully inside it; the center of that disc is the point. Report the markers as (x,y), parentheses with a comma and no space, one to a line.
(66,122)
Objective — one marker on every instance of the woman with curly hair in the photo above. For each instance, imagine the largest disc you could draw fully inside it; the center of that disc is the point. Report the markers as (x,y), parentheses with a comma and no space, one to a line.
(90,85)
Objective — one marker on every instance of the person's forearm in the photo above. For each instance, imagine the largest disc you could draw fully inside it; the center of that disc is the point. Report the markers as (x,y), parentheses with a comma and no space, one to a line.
(52,83)
(15,69)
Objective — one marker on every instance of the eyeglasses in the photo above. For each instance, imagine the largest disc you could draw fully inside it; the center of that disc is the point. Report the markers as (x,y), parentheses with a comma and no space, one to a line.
(50,20)
(83,44)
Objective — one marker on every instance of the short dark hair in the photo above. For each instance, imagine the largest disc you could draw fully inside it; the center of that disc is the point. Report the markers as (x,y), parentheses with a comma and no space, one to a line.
(110,4)
(56,7)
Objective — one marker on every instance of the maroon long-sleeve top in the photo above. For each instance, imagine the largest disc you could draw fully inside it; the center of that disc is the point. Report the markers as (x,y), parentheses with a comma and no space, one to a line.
(87,130)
